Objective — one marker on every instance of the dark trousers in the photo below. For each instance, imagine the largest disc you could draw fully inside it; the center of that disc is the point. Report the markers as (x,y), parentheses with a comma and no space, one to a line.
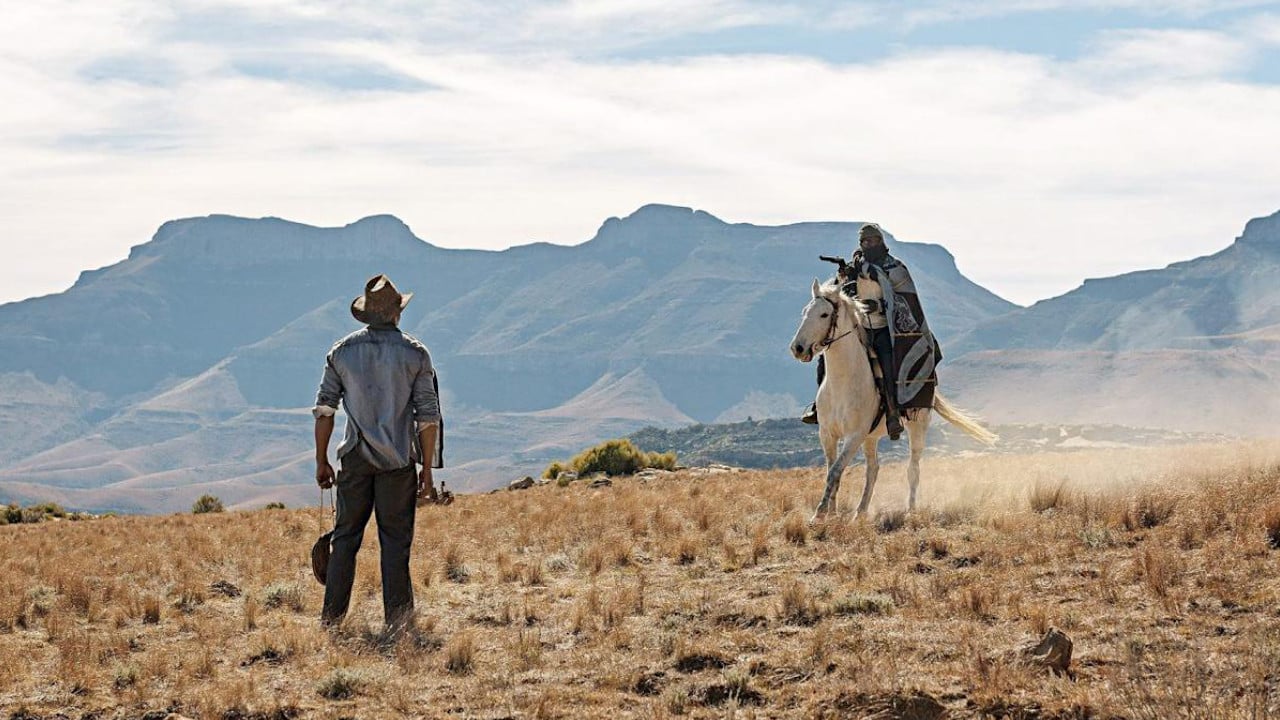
(362,490)
(882,343)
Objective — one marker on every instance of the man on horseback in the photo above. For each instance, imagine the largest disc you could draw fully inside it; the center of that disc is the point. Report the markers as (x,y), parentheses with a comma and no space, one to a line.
(906,351)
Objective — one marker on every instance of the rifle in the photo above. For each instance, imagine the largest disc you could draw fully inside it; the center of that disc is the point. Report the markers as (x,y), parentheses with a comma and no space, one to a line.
(843,268)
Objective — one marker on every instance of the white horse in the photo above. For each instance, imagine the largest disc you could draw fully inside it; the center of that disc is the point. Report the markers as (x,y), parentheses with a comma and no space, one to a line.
(849,401)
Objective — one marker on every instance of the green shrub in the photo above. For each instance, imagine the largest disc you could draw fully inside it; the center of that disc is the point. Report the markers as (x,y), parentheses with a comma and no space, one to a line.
(49,508)
(275,506)
(661,461)
(207,504)
(13,513)
(612,457)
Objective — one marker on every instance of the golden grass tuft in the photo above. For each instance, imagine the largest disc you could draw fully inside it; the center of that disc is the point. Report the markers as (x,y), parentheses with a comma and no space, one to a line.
(795,529)
(1271,525)
(1049,496)
(460,653)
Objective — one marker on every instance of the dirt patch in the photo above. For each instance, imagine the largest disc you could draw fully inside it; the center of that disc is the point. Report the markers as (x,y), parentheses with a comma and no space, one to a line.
(650,684)
(721,693)
(697,662)
(1017,710)
(890,706)
(269,656)
(741,620)
(284,713)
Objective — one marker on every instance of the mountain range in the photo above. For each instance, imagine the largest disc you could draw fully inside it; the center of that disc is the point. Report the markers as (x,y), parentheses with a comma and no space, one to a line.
(189,367)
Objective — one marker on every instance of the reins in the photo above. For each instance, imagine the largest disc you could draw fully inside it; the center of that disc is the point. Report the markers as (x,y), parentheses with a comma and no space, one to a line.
(332,507)
(828,341)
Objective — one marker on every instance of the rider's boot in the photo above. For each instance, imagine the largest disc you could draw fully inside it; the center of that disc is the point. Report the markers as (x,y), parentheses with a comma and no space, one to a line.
(888,384)
(892,420)
(810,416)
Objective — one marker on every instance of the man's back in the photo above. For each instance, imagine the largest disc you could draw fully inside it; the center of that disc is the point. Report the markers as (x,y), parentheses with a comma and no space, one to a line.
(387,382)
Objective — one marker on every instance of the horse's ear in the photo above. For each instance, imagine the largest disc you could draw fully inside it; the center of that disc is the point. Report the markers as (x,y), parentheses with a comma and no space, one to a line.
(816,287)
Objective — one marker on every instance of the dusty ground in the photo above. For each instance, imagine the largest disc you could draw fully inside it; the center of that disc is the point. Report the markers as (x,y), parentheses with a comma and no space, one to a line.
(691,594)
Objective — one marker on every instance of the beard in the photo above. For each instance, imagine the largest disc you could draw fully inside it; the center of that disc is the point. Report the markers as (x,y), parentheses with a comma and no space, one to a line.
(876,253)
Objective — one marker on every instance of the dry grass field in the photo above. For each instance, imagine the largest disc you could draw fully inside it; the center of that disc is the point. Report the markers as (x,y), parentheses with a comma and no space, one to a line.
(690,594)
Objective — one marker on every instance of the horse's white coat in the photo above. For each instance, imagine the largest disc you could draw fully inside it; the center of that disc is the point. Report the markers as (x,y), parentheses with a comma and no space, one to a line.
(848,400)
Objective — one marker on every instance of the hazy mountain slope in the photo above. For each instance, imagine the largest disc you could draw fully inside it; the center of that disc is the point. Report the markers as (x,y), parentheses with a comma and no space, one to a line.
(1188,304)
(1231,390)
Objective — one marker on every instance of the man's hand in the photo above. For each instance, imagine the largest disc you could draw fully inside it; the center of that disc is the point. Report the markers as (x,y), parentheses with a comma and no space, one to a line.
(324,474)
(426,486)
(324,471)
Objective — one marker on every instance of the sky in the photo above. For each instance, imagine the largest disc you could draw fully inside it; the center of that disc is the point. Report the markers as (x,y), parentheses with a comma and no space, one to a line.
(1041,141)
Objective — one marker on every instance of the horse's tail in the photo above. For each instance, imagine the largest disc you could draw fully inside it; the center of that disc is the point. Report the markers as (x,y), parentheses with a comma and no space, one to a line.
(963,420)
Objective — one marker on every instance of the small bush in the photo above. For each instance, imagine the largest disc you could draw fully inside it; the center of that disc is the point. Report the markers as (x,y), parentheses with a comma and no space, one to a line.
(1271,526)
(661,461)
(1046,497)
(616,457)
(460,654)
(888,521)
(49,508)
(553,470)
(274,506)
(795,529)
(1148,510)
(12,514)
(280,594)
(863,604)
(341,684)
(207,504)
(797,607)
(151,610)
(125,676)
(454,569)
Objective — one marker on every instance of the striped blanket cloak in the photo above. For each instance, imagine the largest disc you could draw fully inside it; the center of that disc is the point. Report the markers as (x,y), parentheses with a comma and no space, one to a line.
(916,353)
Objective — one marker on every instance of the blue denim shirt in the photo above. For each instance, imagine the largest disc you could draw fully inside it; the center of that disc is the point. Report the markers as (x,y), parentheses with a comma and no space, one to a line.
(386,382)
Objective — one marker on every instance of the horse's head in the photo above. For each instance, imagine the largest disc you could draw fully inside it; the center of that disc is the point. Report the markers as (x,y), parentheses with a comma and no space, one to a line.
(826,313)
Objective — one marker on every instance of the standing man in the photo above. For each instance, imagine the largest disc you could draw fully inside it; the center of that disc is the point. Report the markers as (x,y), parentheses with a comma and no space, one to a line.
(906,350)
(385,379)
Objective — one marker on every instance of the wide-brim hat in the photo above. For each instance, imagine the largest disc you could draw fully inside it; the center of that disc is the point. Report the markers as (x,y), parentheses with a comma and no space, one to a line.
(320,556)
(381,301)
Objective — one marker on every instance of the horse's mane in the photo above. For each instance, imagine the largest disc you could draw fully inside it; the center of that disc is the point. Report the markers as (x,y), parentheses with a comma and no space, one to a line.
(831,291)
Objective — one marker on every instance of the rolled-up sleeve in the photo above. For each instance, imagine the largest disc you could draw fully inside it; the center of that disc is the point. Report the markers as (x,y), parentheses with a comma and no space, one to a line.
(426,399)
(330,393)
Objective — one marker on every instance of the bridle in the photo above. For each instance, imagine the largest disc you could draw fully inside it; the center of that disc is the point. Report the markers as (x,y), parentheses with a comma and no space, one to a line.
(828,340)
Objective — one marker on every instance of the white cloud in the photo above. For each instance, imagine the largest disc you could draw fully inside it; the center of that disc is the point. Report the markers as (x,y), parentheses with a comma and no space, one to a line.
(1006,158)
(1168,53)
(941,11)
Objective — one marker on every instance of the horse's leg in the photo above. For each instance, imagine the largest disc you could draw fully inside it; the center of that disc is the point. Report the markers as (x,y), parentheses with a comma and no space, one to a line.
(830,450)
(917,429)
(872,454)
(834,470)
